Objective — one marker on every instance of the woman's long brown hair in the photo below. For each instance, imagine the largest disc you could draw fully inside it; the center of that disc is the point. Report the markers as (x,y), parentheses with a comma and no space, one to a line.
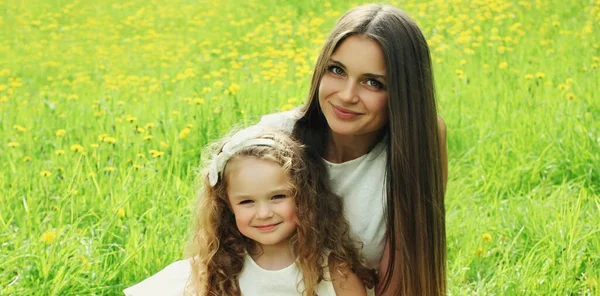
(415,212)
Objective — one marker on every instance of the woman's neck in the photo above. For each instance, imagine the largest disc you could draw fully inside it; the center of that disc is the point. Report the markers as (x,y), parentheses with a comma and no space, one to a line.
(273,257)
(342,148)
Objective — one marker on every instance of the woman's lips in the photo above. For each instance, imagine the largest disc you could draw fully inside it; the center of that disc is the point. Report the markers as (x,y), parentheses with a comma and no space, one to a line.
(344,114)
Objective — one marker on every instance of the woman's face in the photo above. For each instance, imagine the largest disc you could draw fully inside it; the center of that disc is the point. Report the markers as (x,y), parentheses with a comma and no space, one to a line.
(352,93)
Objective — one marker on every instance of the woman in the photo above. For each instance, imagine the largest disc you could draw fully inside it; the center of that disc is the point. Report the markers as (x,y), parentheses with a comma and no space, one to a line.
(371,115)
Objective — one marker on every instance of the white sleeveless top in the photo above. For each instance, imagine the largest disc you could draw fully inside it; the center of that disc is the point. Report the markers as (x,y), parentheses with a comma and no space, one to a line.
(254,281)
(361,184)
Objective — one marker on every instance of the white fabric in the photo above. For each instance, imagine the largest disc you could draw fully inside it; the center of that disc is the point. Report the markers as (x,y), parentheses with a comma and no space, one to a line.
(254,281)
(361,184)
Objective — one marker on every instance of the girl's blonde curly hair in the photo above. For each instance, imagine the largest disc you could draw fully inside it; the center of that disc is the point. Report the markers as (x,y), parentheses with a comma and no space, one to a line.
(217,248)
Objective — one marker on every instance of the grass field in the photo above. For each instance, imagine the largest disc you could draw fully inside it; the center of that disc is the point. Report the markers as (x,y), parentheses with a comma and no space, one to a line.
(106,105)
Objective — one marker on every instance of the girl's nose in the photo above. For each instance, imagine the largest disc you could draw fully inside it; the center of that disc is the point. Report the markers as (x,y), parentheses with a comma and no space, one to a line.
(264,211)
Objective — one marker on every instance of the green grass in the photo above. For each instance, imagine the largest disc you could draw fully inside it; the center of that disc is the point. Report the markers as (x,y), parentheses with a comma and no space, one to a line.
(516,82)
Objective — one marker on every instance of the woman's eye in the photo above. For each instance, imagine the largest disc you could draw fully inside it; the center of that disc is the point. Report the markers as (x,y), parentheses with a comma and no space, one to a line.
(336,70)
(375,83)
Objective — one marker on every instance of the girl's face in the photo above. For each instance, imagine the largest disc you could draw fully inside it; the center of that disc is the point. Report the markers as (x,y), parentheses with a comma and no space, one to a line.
(352,93)
(261,199)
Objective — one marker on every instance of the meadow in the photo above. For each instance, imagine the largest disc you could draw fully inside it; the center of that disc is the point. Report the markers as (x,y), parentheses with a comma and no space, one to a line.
(105,107)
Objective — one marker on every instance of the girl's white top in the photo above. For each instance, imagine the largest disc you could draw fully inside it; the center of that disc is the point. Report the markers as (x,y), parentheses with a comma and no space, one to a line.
(361,184)
(254,281)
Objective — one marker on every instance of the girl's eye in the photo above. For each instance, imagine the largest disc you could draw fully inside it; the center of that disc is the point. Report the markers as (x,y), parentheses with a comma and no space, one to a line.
(245,202)
(336,70)
(279,196)
(375,83)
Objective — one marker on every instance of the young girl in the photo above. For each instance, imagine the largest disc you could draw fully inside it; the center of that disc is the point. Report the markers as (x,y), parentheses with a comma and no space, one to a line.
(266,224)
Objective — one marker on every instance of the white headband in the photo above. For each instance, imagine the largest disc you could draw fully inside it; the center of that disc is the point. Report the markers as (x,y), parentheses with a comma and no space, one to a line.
(240,140)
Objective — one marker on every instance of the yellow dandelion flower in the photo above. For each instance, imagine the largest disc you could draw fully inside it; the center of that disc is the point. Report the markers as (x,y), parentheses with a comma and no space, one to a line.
(175,112)
(563,86)
(199,101)
(156,153)
(121,213)
(59,152)
(19,128)
(217,110)
(137,166)
(459,72)
(596,59)
(94,146)
(218,83)
(77,148)
(13,144)
(74,191)
(109,169)
(528,76)
(164,144)
(130,118)
(570,96)
(486,237)
(148,137)
(48,236)
(479,252)
(540,75)
(109,140)
(569,81)
(60,132)
(139,155)
(184,133)
(287,107)
(45,174)
(73,97)
(149,125)
(27,158)
(91,174)
(102,136)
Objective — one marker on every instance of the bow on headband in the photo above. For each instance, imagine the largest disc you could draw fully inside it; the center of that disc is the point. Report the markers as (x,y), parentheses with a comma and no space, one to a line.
(242,139)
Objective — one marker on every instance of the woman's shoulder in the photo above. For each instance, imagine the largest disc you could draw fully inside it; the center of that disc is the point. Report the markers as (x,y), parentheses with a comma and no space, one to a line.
(282,120)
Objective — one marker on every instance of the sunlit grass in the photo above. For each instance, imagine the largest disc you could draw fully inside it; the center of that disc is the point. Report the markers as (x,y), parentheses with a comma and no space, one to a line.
(105,107)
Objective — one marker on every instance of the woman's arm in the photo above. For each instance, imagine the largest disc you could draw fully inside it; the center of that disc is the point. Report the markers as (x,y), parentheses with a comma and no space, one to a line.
(346,282)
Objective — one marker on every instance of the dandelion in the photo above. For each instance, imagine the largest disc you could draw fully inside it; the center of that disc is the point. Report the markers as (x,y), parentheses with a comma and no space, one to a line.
(217,110)
(59,152)
(130,118)
(540,75)
(528,76)
(121,213)
(570,96)
(109,169)
(569,81)
(563,86)
(13,144)
(459,72)
(164,144)
(137,166)
(486,237)
(92,174)
(19,128)
(27,158)
(139,155)
(287,107)
(77,148)
(156,153)
(199,101)
(45,174)
(148,137)
(109,140)
(479,252)
(140,130)
(94,146)
(48,236)
(60,132)
(149,125)
(184,133)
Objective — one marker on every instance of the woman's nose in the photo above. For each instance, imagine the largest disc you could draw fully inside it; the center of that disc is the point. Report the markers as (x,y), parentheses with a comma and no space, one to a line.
(349,92)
